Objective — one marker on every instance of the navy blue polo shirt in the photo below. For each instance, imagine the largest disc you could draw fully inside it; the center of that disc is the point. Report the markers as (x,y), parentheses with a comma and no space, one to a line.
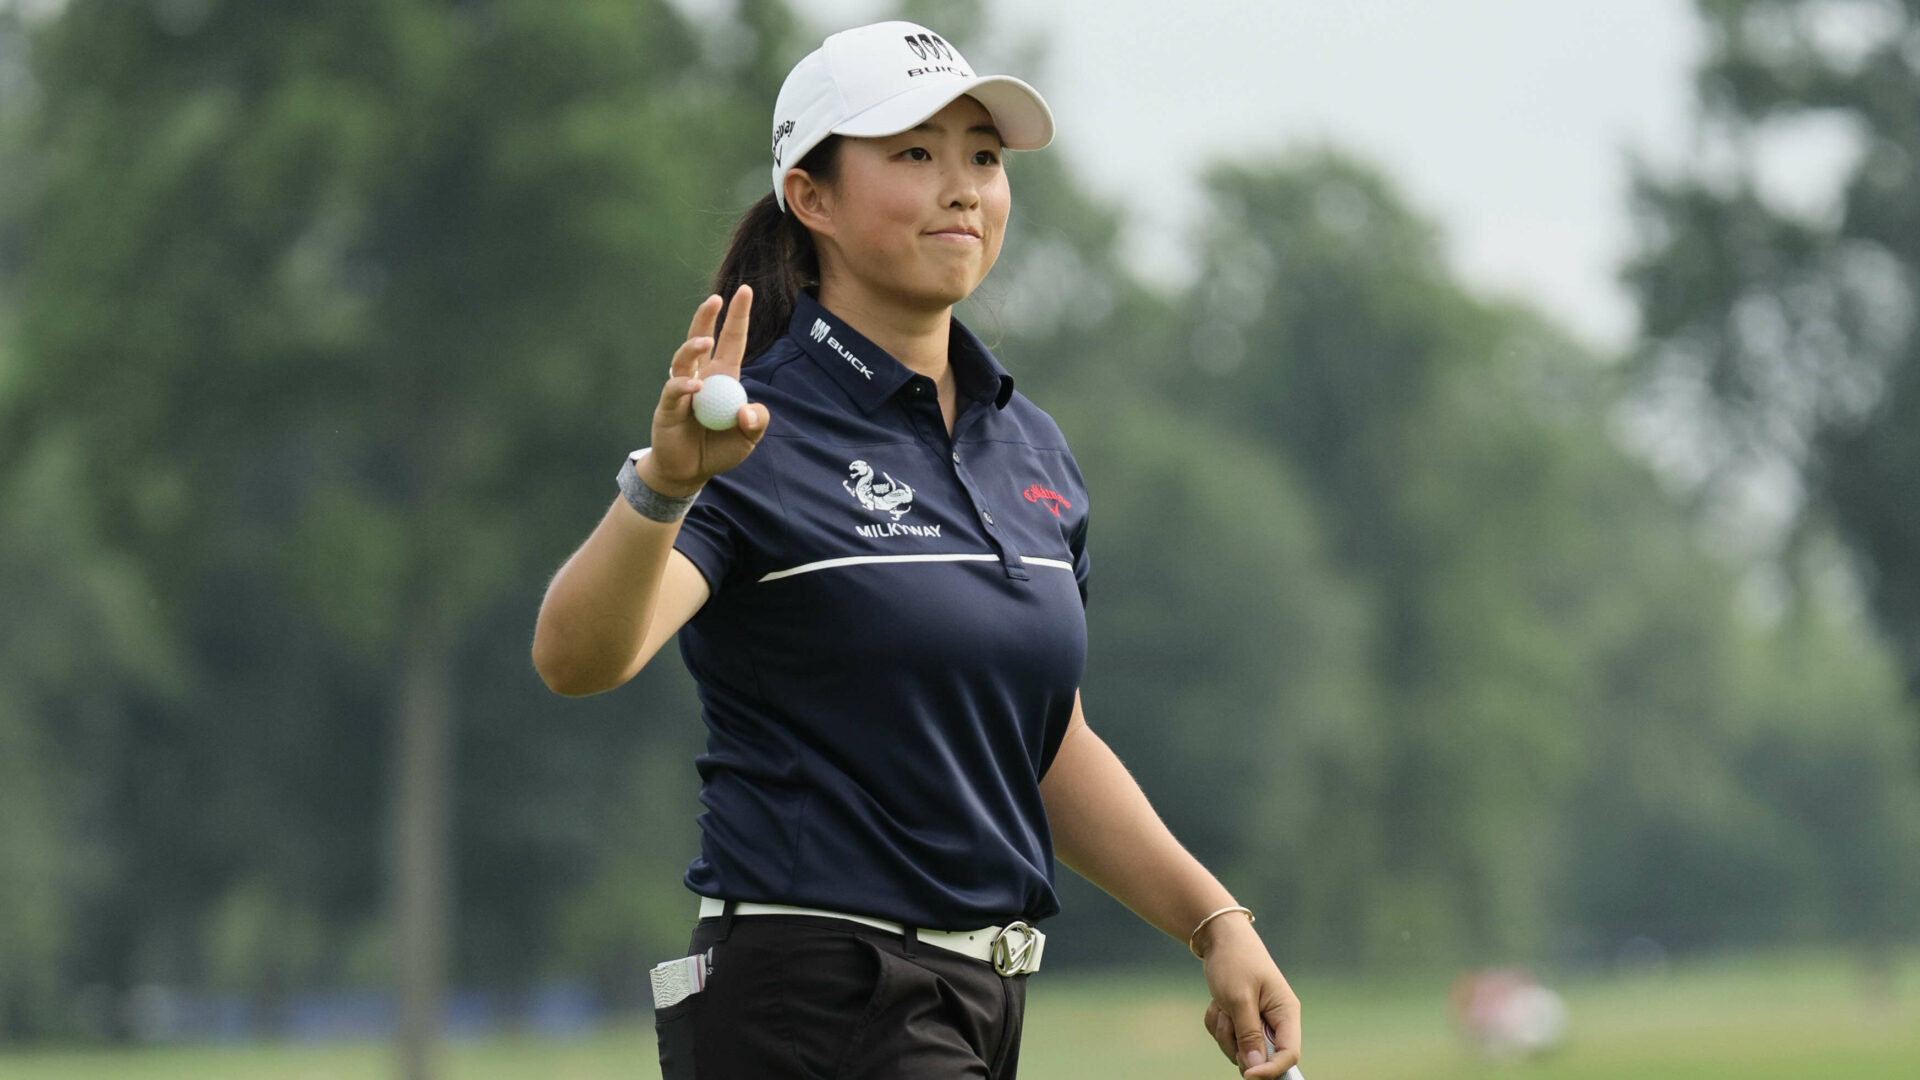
(895,635)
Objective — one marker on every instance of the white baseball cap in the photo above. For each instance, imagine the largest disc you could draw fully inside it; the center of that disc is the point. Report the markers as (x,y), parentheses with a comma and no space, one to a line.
(885,78)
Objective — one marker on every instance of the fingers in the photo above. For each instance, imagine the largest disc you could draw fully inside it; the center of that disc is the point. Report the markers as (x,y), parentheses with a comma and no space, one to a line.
(1249,1037)
(1221,1028)
(752,421)
(704,317)
(699,343)
(1280,1032)
(676,400)
(686,358)
(732,346)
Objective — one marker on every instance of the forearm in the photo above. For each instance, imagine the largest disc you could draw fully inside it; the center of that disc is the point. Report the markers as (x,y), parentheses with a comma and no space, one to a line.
(625,592)
(1106,831)
(594,622)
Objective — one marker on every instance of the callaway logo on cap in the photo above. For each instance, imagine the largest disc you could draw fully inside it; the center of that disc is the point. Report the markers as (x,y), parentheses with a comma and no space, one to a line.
(885,78)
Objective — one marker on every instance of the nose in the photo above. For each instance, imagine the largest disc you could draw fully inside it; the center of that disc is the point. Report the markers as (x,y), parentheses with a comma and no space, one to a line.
(962,189)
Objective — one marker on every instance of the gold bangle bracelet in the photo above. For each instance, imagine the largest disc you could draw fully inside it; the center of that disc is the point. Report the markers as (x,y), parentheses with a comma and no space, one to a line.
(1193,937)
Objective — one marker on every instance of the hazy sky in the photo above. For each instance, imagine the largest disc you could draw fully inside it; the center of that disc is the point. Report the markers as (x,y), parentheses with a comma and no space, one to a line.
(1507,120)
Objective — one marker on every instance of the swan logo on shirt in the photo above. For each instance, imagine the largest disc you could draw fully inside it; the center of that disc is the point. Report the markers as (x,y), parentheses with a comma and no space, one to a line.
(884,495)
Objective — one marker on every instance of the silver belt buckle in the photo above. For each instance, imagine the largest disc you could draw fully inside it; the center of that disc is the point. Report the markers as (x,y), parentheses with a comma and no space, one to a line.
(1013,948)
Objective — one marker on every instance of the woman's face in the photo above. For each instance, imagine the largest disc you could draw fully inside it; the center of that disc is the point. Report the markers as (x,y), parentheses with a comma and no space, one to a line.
(917,218)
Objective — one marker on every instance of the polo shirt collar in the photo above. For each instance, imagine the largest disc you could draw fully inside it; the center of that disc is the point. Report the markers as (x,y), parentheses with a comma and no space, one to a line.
(870,375)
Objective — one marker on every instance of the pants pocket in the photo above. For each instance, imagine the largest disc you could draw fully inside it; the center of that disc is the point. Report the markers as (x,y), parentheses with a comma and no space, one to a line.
(877,988)
(673,1029)
(826,985)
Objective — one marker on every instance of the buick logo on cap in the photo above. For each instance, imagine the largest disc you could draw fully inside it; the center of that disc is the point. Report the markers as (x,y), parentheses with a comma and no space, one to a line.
(931,46)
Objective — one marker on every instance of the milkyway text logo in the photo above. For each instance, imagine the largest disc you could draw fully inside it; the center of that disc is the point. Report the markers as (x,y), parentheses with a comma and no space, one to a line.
(821,329)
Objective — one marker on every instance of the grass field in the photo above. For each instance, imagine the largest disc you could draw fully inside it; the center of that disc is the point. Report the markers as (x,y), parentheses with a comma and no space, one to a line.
(1731,1019)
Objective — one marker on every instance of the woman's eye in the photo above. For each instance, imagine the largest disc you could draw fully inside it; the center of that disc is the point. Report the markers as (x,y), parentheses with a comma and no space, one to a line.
(986,157)
(918,153)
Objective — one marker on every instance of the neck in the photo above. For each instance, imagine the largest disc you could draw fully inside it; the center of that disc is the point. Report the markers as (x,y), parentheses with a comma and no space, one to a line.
(915,337)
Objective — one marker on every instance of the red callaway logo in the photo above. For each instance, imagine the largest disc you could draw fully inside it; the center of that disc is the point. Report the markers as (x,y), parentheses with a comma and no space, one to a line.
(1053,499)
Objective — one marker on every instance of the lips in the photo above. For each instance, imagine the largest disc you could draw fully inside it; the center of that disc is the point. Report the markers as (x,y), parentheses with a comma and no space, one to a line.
(958,232)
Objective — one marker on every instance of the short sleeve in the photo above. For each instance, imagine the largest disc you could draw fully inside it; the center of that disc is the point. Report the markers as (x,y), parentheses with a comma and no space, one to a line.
(715,534)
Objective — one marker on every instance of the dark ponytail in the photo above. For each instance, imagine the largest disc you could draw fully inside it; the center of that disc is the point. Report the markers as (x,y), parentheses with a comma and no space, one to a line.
(774,253)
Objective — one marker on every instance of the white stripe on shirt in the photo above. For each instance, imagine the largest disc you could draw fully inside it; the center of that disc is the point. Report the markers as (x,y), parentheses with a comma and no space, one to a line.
(859,560)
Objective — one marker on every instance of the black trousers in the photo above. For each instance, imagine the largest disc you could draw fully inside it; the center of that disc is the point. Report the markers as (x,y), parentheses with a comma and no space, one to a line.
(826,999)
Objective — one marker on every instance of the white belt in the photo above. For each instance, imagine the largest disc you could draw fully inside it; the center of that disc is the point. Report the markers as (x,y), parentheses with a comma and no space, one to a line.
(1013,949)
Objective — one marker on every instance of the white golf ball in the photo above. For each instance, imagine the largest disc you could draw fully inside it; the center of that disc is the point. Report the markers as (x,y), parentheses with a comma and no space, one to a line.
(717,403)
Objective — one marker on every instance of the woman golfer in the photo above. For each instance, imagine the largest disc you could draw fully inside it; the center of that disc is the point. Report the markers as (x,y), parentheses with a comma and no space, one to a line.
(878,576)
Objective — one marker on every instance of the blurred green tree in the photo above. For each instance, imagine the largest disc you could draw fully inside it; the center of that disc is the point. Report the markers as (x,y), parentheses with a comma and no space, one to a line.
(324,327)
(1779,335)
(338,308)
(74,642)
(1537,609)
(1445,445)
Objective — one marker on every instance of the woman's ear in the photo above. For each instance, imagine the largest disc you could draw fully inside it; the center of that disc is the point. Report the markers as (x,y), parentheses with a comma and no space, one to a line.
(808,201)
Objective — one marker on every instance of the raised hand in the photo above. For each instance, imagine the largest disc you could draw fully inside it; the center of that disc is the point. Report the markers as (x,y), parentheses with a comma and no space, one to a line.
(686,455)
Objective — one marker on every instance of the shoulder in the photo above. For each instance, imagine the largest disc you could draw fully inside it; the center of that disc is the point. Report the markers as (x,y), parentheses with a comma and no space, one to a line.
(804,402)
(785,377)
(776,367)
(1031,424)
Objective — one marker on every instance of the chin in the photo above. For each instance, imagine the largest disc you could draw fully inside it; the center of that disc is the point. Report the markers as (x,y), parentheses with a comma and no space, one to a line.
(955,289)
(934,296)
(924,286)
